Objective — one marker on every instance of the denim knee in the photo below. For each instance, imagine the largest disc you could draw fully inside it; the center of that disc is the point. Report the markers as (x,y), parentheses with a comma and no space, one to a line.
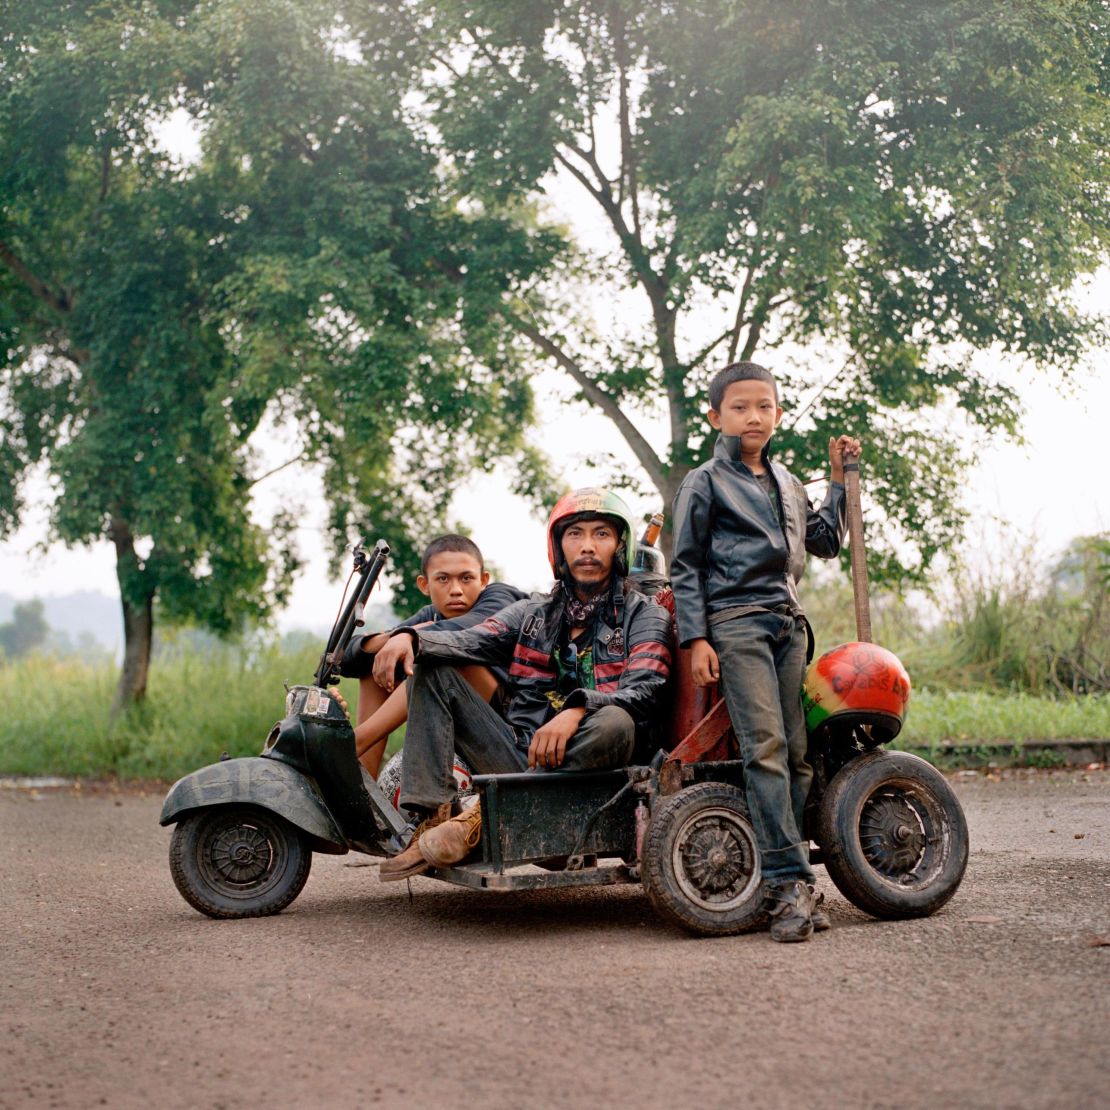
(770,755)
(606,738)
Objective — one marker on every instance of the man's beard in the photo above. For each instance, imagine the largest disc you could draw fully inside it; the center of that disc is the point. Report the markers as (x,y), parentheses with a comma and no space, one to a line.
(590,589)
(581,612)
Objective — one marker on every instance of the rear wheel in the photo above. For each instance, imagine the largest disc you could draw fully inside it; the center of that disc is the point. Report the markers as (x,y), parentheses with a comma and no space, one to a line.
(238,861)
(700,861)
(893,835)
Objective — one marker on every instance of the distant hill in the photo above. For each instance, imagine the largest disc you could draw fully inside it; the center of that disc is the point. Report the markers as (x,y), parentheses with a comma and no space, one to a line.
(86,611)
(89,613)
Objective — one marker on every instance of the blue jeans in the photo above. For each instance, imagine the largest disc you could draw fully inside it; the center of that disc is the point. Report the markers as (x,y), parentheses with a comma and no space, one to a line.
(447,715)
(763,659)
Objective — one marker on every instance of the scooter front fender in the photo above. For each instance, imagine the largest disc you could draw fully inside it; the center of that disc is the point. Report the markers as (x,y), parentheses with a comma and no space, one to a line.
(254,780)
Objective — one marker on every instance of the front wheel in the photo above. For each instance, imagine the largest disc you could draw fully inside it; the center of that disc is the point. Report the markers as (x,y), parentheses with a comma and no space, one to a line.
(893,835)
(701,863)
(238,861)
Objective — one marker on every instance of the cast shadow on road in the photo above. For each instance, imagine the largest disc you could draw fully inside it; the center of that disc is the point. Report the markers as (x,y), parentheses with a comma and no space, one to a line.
(623,910)
(522,913)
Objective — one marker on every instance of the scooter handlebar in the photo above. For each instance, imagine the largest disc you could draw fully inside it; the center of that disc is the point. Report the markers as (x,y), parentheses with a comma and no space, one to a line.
(369,568)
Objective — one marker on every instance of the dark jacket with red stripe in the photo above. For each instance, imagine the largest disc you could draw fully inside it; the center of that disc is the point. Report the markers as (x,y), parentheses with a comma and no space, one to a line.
(631,657)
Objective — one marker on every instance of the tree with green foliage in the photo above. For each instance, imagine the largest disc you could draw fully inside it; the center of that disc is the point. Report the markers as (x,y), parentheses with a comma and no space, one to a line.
(894,185)
(26,631)
(157,318)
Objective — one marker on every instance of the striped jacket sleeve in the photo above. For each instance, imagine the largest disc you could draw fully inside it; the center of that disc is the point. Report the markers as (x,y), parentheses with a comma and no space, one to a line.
(490,642)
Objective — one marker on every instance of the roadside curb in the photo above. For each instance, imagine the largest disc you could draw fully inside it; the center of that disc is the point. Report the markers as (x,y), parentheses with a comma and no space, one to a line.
(951,755)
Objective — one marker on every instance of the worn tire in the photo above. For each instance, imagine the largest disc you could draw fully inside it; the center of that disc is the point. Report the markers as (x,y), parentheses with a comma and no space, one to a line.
(701,863)
(893,835)
(238,861)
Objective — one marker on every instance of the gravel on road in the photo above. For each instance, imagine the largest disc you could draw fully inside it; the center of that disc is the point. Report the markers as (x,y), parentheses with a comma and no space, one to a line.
(116,993)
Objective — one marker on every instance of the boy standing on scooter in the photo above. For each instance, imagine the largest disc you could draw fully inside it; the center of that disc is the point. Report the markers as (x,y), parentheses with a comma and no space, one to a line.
(742,527)
(454,577)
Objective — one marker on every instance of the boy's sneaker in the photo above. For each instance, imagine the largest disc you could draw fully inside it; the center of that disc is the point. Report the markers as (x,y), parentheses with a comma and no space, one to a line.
(410,862)
(454,840)
(820,919)
(791,911)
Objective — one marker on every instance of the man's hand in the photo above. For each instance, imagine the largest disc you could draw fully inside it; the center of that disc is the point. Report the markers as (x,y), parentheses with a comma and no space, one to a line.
(398,649)
(841,450)
(549,743)
(704,664)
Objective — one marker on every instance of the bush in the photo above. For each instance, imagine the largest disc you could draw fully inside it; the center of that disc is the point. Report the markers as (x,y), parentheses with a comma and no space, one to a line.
(1021,625)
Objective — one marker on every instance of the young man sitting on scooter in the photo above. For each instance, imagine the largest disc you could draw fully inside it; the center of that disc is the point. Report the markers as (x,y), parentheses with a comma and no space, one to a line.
(453,575)
(587,669)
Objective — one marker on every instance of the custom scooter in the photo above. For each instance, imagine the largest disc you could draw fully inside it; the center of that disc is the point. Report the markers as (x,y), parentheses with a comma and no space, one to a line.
(885,824)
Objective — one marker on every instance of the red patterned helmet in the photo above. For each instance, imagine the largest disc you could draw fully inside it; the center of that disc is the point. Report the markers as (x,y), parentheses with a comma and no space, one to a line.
(857,684)
(591,503)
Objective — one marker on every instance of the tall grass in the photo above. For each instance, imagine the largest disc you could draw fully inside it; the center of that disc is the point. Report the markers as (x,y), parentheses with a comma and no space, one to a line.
(56,718)
(997,654)
(981,717)
(1023,625)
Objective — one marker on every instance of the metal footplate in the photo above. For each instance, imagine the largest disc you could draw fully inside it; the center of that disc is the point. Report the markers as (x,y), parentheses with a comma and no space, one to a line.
(479,876)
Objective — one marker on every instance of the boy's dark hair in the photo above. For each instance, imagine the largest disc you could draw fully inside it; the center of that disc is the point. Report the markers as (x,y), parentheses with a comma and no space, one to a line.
(739,372)
(451,542)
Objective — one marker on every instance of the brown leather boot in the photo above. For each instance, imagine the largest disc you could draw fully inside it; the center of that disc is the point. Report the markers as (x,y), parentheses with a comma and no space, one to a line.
(410,862)
(454,840)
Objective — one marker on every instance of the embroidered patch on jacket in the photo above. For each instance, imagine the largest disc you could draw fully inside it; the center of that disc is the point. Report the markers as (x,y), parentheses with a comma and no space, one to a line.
(532,625)
(616,642)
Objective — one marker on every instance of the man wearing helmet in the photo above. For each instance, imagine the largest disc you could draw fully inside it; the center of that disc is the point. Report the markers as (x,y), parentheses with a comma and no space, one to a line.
(587,668)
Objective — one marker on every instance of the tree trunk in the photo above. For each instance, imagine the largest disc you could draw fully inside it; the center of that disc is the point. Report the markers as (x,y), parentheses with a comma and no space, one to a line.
(137,599)
(666,542)
(138,627)
(667,493)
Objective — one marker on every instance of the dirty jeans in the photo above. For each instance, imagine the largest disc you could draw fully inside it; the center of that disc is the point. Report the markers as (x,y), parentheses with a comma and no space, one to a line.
(763,658)
(447,715)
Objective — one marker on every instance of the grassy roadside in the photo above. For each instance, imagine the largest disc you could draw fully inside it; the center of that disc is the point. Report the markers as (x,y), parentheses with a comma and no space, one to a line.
(980,717)
(56,719)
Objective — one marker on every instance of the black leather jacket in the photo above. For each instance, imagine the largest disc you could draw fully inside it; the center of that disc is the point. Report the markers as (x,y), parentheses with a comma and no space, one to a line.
(731,552)
(631,657)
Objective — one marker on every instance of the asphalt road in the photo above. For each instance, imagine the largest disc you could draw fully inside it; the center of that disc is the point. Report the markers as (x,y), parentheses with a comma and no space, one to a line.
(116,993)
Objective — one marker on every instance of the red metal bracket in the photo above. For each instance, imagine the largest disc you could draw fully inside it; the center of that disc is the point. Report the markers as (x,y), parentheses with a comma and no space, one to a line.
(710,739)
